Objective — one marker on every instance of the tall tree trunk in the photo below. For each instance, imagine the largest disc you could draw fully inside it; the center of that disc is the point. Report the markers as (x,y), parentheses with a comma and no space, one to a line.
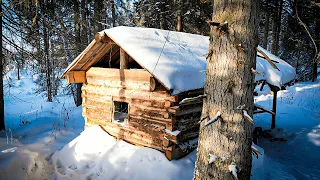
(53,76)
(315,68)
(113,12)
(2,122)
(179,16)
(84,24)
(47,61)
(276,26)
(316,61)
(163,21)
(266,27)
(77,25)
(229,90)
(279,16)
(78,46)
(98,4)
(18,69)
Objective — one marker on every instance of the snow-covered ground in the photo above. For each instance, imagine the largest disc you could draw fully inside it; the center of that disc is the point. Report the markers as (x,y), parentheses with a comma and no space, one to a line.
(46,140)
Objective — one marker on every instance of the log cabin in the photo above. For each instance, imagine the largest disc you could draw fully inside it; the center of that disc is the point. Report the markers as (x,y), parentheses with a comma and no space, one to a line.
(145,85)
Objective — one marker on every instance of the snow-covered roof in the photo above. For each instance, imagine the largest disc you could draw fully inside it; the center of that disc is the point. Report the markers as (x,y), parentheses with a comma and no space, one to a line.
(273,76)
(177,60)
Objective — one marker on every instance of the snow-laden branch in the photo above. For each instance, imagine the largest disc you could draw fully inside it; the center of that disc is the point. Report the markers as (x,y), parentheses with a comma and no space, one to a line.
(246,115)
(212,158)
(254,71)
(214,119)
(233,169)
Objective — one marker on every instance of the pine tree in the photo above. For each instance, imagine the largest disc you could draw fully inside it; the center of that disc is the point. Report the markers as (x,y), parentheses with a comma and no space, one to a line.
(229,93)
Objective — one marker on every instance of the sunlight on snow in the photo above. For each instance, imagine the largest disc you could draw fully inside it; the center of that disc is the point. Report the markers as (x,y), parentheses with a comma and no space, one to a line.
(314,135)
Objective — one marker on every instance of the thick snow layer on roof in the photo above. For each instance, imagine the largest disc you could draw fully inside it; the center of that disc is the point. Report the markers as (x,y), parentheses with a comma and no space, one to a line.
(178,60)
(174,58)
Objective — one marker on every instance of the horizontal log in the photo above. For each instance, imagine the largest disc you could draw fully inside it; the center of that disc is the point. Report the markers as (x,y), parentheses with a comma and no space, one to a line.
(96,97)
(150,103)
(130,137)
(100,108)
(134,110)
(149,128)
(186,109)
(125,93)
(151,118)
(94,102)
(76,76)
(120,74)
(147,122)
(97,116)
(149,108)
(134,137)
(137,85)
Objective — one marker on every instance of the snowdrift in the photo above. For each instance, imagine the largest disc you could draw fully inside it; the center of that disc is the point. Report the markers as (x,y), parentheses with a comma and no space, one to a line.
(97,155)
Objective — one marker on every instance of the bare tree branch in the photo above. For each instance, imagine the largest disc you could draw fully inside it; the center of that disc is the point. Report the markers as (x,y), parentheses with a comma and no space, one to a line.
(308,32)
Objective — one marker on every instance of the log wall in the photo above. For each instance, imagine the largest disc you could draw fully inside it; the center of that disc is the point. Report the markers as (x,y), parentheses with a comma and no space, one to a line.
(152,112)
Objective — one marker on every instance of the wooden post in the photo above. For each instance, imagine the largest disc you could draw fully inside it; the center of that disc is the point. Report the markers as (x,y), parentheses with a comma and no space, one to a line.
(124,59)
(275,90)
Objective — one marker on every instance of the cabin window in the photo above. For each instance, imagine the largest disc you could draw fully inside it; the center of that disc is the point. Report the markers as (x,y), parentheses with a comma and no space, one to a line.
(120,112)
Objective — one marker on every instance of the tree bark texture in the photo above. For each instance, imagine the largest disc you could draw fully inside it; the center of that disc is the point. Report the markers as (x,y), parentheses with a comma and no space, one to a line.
(47,61)
(84,24)
(229,89)
(78,46)
(97,16)
(113,12)
(2,122)
(179,16)
(276,25)
(163,21)
(266,28)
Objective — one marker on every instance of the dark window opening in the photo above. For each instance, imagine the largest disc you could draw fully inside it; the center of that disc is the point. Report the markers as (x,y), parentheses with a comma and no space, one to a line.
(120,112)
